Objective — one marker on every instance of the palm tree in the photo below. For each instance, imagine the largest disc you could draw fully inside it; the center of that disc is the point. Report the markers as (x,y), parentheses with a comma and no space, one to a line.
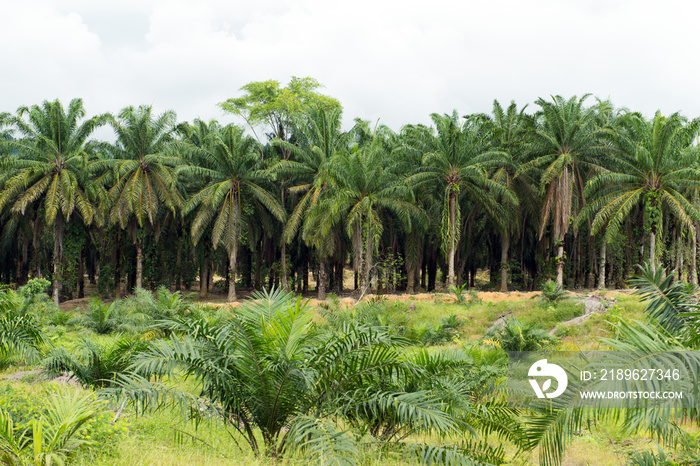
(229,162)
(507,132)
(96,364)
(456,160)
(48,163)
(361,189)
(270,374)
(55,436)
(20,332)
(653,171)
(566,144)
(277,108)
(319,140)
(144,175)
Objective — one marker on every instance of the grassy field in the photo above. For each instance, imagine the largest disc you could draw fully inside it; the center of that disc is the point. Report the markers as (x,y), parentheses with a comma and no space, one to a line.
(161,438)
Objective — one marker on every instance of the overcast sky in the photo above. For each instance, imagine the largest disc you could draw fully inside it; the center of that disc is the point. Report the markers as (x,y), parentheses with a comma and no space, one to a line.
(394,60)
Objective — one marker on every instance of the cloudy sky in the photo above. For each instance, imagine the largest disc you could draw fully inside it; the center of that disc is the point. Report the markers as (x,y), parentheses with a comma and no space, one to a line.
(397,61)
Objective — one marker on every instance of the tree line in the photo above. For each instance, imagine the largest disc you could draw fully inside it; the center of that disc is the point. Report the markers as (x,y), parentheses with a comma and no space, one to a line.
(573,189)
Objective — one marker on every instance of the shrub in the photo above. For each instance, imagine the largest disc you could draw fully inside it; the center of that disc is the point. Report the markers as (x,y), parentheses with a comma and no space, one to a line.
(95,364)
(458,292)
(552,292)
(20,333)
(34,287)
(59,317)
(101,317)
(516,336)
(446,330)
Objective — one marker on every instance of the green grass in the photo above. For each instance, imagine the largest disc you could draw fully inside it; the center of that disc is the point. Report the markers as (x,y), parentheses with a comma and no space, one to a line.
(478,317)
(156,439)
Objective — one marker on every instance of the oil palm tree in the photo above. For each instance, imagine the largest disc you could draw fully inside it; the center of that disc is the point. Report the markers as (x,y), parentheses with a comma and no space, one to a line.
(361,190)
(20,332)
(566,145)
(507,131)
(96,364)
(319,138)
(653,170)
(230,164)
(53,438)
(143,173)
(271,375)
(457,161)
(48,164)
(667,338)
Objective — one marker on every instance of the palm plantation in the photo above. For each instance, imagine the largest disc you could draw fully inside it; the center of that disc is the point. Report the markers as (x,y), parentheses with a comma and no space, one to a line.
(490,197)
(361,188)
(320,139)
(507,130)
(475,175)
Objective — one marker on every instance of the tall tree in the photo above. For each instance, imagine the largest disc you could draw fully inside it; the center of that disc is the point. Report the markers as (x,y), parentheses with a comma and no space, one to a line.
(318,139)
(565,143)
(143,172)
(653,170)
(47,164)
(362,190)
(457,162)
(507,132)
(266,104)
(229,162)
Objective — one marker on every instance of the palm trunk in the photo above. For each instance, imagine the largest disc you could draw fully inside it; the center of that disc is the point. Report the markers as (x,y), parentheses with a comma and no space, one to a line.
(652,249)
(321,285)
(210,276)
(18,268)
(340,270)
(368,261)
(139,265)
(284,279)
(81,274)
(601,276)
(590,278)
(560,265)
(680,259)
(305,276)
(611,273)
(694,259)
(57,255)
(204,277)
(453,245)
(232,272)
(178,263)
(258,262)
(505,244)
(118,266)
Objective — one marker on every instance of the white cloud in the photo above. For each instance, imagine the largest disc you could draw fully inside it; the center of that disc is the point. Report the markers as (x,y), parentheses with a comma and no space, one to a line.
(398,61)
